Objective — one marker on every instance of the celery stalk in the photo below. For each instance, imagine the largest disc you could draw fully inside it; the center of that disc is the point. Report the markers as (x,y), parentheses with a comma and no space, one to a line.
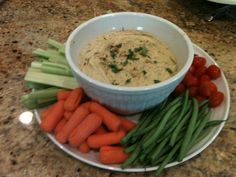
(41,94)
(55,44)
(39,98)
(52,68)
(48,54)
(62,50)
(36,86)
(51,79)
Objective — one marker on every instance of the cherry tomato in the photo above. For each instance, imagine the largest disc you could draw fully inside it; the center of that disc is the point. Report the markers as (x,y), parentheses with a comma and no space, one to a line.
(213,71)
(199,61)
(200,98)
(190,80)
(204,78)
(191,69)
(192,91)
(212,87)
(200,71)
(216,99)
(207,88)
(179,89)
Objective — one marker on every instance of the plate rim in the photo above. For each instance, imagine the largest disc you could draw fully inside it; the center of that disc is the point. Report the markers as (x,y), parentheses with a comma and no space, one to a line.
(190,156)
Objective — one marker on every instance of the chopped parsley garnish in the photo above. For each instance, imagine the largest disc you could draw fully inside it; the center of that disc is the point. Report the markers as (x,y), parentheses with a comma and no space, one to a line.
(169,70)
(113,54)
(118,45)
(131,55)
(114,82)
(125,62)
(114,68)
(156,81)
(114,50)
(128,81)
(142,51)
(144,72)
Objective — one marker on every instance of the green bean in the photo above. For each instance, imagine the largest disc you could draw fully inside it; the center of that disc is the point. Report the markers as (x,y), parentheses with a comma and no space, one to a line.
(160,126)
(145,155)
(155,123)
(214,123)
(132,158)
(203,103)
(180,125)
(184,108)
(131,148)
(189,131)
(159,148)
(168,158)
(151,126)
(199,128)
(144,122)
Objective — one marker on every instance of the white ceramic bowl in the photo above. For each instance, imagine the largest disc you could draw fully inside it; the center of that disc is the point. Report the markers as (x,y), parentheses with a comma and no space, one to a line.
(129,100)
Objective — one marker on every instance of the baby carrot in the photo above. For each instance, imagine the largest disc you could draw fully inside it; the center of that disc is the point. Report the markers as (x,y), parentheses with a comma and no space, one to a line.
(127,124)
(67,114)
(51,120)
(84,148)
(100,130)
(60,125)
(112,155)
(46,111)
(87,104)
(73,100)
(96,141)
(111,120)
(76,118)
(84,129)
(63,94)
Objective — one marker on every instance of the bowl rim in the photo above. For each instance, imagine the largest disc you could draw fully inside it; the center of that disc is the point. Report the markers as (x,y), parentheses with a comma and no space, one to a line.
(125,88)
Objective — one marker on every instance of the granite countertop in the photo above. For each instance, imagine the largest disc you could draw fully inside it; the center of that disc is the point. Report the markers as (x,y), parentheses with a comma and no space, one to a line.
(25,25)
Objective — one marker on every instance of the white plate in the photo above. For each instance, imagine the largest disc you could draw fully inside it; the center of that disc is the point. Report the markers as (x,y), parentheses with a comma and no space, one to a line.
(231,2)
(219,113)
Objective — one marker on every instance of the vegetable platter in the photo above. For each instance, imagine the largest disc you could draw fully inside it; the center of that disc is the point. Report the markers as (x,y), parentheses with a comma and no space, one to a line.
(179,151)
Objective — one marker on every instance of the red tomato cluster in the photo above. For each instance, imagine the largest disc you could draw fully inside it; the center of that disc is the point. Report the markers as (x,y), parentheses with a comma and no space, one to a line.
(198,81)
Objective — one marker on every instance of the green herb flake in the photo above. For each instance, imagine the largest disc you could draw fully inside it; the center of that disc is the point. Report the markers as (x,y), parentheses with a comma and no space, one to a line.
(156,81)
(142,51)
(169,70)
(125,62)
(144,72)
(114,82)
(128,81)
(114,50)
(130,55)
(114,68)
(118,45)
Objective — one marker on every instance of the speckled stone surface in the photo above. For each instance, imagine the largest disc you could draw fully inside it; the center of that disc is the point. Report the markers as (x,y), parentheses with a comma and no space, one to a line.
(24,25)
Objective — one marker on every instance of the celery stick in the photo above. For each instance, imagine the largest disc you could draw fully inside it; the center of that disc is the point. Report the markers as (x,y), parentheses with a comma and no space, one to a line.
(34,69)
(36,86)
(41,94)
(41,53)
(58,60)
(62,50)
(48,54)
(46,100)
(55,44)
(33,104)
(51,79)
(58,71)
(52,68)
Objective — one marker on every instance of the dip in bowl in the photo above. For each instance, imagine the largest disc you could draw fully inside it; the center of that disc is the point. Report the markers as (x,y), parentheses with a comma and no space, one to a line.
(124,97)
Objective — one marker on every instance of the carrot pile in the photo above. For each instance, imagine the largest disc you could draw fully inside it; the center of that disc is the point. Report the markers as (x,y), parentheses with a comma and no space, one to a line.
(86,126)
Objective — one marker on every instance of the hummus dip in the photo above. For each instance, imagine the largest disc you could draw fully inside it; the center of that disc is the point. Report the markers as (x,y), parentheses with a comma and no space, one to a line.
(128,58)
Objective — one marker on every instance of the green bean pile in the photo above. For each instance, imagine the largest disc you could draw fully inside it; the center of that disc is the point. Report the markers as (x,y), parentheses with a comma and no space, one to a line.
(166,133)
